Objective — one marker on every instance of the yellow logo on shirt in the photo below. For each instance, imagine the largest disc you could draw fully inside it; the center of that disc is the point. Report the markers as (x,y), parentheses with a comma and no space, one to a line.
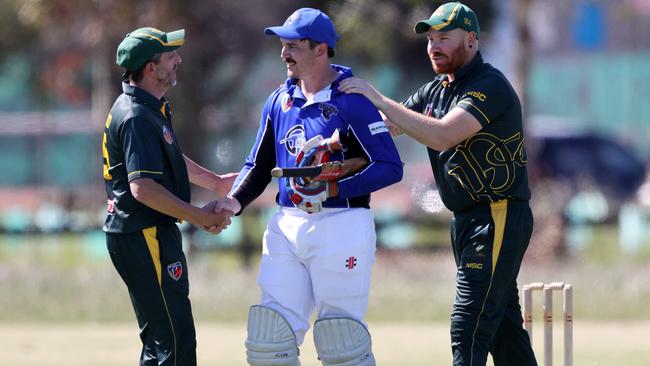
(478,95)
(474,265)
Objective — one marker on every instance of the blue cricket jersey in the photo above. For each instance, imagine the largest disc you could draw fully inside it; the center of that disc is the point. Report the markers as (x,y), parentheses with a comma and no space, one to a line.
(288,121)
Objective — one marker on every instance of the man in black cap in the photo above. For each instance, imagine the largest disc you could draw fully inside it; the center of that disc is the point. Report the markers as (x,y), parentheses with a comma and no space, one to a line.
(147,182)
(470,119)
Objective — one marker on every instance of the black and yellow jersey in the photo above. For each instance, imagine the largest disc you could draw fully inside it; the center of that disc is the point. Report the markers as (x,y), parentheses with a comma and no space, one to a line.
(490,165)
(139,142)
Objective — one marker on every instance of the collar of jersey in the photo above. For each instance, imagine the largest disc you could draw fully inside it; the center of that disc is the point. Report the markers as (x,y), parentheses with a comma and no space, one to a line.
(143,96)
(323,95)
(460,73)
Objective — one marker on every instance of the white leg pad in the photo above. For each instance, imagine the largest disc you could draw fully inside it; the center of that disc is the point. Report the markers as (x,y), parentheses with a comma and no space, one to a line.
(343,342)
(270,341)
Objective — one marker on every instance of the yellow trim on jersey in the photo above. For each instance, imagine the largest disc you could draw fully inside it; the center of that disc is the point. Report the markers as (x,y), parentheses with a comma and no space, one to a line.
(449,19)
(107,162)
(499,212)
(154,250)
(477,108)
(144,171)
(178,42)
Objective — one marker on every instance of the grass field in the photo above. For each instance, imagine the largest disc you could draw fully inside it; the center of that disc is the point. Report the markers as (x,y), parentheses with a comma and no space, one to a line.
(63,304)
(395,344)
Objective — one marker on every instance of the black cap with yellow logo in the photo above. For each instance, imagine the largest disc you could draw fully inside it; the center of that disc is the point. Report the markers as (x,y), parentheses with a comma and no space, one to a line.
(139,46)
(450,16)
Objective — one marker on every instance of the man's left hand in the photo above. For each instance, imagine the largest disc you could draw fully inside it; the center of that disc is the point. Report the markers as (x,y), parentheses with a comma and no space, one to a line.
(309,198)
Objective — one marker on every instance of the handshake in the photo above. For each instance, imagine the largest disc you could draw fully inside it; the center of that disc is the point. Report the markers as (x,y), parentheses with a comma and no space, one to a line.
(215,216)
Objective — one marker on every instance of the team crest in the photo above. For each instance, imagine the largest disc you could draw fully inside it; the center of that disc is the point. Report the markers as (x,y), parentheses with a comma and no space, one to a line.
(287,103)
(294,139)
(175,270)
(168,135)
(328,110)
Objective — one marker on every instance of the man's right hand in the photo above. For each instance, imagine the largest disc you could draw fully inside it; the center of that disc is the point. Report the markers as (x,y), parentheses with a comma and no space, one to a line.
(214,219)
(361,86)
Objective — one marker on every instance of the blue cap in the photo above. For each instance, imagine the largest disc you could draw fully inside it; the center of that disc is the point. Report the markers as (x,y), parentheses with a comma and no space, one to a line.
(307,23)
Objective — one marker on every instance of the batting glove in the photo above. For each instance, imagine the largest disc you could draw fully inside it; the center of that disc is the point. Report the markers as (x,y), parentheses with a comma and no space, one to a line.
(310,198)
(316,151)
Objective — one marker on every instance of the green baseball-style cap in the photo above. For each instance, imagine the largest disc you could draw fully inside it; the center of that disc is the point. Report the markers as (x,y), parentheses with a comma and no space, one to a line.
(139,46)
(450,16)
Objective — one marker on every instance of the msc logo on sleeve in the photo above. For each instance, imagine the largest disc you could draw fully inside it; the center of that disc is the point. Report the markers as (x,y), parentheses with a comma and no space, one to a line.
(478,95)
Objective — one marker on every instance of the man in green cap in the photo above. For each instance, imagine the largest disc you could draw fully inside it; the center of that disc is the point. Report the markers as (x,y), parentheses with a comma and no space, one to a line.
(147,182)
(470,119)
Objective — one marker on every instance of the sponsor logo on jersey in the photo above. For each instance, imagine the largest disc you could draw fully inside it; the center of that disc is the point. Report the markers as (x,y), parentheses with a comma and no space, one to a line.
(294,139)
(168,135)
(478,95)
(287,103)
(488,166)
(350,263)
(377,127)
(328,110)
(474,265)
(175,270)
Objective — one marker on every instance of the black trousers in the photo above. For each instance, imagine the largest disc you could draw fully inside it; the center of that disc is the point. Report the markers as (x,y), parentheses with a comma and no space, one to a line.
(152,264)
(489,242)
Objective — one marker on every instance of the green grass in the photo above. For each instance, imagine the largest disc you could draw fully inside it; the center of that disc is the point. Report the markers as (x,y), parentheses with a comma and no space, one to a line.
(70,278)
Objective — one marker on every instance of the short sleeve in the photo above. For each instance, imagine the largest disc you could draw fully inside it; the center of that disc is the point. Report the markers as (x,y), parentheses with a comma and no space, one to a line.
(487,98)
(417,100)
(143,154)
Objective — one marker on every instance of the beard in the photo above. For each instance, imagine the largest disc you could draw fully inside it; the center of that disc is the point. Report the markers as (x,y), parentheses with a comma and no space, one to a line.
(454,61)
(167,79)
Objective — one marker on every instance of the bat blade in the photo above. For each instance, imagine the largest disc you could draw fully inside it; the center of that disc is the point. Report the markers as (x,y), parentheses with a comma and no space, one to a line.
(307,171)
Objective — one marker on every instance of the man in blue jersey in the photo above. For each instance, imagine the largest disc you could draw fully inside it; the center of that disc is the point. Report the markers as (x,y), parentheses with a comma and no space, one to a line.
(319,247)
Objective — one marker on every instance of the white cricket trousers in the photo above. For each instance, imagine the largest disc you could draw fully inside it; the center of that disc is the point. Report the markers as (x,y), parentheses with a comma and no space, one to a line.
(319,261)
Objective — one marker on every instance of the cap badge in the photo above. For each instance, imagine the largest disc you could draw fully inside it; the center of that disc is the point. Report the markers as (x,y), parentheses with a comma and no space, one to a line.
(293,18)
